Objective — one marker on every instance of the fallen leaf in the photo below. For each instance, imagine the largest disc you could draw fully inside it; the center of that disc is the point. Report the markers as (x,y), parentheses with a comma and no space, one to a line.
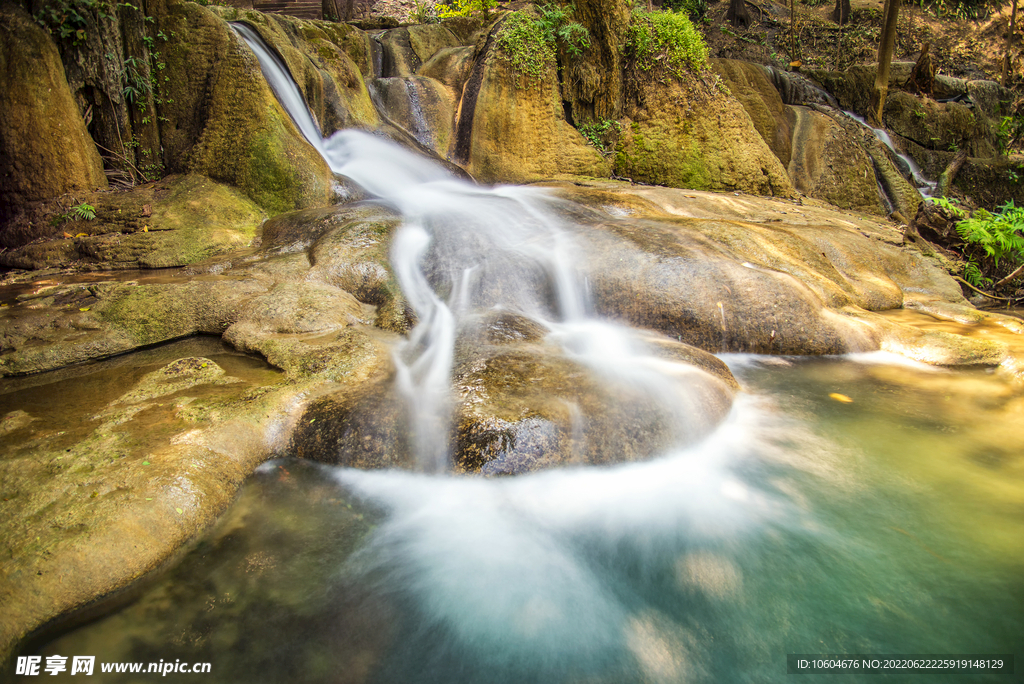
(145,463)
(840,397)
(82,235)
(179,510)
(84,308)
(68,236)
(145,229)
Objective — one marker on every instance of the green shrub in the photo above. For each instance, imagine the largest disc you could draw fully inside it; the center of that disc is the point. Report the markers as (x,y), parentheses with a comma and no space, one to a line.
(1000,235)
(668,39)
(988,238)
(522,40)
(463,8)
(530,44)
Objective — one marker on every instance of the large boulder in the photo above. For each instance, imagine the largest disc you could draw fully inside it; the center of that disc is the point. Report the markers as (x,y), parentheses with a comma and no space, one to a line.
(512,127)
(692,135)
(45,149)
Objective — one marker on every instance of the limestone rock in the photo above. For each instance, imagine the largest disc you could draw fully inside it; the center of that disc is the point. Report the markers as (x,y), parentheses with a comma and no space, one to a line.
(750,85)
(225,122)
(45,149)
(690,135)
(513,129)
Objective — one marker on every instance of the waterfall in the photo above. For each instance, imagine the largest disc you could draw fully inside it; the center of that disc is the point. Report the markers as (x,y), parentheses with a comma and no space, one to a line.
(909,166)
(463,249)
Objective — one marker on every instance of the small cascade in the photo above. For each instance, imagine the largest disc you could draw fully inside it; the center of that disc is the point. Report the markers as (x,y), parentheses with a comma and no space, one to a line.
(907,165)
(275,71)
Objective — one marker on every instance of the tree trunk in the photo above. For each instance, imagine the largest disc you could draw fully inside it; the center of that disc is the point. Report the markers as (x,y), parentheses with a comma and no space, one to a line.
(1008,56)
(737,13)
(841,14)
(885,47)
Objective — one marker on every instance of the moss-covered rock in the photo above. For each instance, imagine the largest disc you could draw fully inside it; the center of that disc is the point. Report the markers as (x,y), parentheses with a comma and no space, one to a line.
(749,84)
(45,149)
(178,221)
(423,107)
(825,165)
(319,56)
(224,121)
(939,126)
(309,329)
(512,127)
(693,135)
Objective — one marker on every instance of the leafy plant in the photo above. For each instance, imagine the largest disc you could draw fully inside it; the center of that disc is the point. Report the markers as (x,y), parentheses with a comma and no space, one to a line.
(530,44)
(83,211)
(556,27)
(425,12)
(667,39)
(949,204)
(1000,235)
(594,132)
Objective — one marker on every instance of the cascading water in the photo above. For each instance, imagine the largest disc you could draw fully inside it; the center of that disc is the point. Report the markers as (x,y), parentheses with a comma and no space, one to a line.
(463,249)
(923,184)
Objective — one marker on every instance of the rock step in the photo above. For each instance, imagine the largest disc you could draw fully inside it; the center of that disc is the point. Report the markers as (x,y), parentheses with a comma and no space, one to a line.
(303,9)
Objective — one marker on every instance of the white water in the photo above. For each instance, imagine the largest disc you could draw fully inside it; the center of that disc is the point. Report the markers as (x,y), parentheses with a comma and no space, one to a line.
(463,249)
(924,185)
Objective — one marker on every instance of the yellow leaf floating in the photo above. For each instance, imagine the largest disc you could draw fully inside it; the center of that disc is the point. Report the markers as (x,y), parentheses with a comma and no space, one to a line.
(840,397)
(84,308)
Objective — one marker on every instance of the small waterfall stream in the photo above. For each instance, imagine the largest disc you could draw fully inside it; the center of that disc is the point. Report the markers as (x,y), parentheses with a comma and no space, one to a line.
(909,166)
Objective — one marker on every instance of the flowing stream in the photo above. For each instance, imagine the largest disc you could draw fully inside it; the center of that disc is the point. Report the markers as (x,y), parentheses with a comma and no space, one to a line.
(910,167)
(888,522)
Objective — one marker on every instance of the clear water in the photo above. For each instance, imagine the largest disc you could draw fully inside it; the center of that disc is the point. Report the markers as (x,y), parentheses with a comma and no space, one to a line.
(888,524)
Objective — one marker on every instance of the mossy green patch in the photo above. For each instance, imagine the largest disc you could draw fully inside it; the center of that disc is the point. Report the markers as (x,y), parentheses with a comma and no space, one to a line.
(666,39)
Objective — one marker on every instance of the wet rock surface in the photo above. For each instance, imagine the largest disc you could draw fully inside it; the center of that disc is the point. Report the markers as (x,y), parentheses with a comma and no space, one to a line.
(161,451)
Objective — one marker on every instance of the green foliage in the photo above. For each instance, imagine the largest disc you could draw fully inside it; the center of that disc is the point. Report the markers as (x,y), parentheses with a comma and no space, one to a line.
(557,29)
(1000,235)
(463,8)
(667,39)
(949,205)
(83,211)
(594,132)
(425,12)
(530,44)
(523,41)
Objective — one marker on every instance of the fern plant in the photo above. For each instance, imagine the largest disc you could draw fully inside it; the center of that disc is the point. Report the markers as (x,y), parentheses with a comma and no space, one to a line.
(1000,235)
(83,211)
